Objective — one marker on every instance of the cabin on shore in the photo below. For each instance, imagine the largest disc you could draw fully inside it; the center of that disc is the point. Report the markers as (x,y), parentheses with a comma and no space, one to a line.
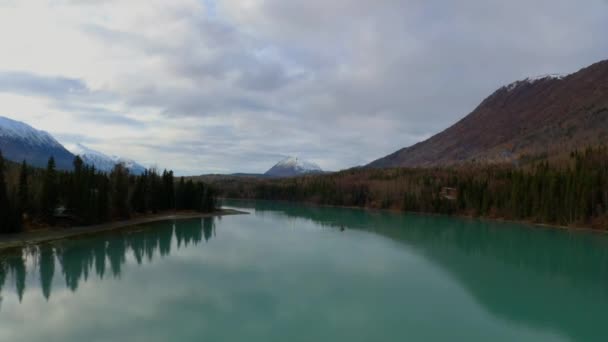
(450,194)
(63,216)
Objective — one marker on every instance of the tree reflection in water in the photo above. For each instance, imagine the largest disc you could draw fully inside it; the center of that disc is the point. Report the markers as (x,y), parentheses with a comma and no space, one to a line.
(82,258)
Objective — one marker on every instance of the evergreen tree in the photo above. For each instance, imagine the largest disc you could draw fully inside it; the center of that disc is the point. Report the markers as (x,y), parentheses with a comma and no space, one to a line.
(50,195)
(168,190)
(24,192)
(5,210)
(103,198)
(119,179)
(78,189)
(138,199)
(179,194)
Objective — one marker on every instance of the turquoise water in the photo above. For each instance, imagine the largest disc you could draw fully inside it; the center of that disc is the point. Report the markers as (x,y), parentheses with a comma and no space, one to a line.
(290,272)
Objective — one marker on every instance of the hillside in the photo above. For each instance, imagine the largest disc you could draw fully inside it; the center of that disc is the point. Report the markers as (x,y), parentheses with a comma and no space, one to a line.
(540,116)
(19,141)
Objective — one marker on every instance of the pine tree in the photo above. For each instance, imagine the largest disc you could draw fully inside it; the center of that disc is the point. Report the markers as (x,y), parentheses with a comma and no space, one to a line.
(179,194)
(78,189)
(24,192)
(103,198)
(119,179)
(138,198)
(168,191)
(5,210)
(50,195)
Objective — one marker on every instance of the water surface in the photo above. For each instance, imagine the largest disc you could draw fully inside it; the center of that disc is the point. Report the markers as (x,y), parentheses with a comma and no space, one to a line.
(290,272)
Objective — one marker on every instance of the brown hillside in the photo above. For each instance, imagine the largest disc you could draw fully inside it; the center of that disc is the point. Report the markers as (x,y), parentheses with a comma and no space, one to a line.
(542,116)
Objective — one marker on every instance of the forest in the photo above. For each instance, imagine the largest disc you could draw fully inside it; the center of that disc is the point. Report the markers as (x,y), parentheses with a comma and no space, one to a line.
(570,192)
(32,197)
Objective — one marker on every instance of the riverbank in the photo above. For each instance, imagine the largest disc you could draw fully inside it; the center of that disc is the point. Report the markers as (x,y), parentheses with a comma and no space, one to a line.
(532,224)
(51,234)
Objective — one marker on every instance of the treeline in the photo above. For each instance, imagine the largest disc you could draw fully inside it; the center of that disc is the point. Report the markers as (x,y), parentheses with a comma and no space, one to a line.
(87,196)
(571,192)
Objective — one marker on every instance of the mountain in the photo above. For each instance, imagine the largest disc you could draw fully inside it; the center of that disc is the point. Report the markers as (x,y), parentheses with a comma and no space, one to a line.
(292,166)
(542,116)
(19,141)
(104,162)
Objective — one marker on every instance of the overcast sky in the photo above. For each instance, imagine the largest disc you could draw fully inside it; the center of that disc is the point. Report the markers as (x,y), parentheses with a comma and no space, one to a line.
(205,86)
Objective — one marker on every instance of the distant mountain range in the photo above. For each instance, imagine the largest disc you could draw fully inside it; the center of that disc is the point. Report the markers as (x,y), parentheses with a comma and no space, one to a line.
(542,116)
(20,141)
(292,166)
(288,167)
(106,163)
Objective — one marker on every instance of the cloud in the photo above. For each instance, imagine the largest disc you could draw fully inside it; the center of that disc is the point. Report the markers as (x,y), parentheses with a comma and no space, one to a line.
(230,86)
(30,84)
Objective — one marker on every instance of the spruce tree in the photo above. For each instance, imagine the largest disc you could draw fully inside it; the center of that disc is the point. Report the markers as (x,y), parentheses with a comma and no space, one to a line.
(49,196)
(76,200)
(5,210)
(179,194)
(168,190)
(119,179)
(24,192)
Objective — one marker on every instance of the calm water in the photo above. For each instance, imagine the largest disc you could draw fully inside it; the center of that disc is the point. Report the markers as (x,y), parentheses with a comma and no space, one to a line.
(297,273)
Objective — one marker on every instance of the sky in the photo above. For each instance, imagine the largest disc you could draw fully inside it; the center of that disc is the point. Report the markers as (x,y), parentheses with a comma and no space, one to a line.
(206,86)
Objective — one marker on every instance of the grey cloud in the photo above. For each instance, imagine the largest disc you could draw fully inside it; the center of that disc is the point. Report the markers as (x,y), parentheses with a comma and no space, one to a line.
(30,84)
(264,77)
(179,102)
(74,138)
(101,115)
(339,82)
(59,88)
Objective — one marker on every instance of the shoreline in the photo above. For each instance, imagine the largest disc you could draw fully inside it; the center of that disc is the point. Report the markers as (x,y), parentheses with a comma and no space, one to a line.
(531,224)
(50,234)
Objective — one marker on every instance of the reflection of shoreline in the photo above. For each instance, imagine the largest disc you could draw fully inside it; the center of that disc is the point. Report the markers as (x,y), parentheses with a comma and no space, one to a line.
(103,255)
(526,223)
(33,238)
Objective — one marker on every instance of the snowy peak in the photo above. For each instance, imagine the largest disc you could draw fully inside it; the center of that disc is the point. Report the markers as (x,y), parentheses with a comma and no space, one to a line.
(535,79)
(81,150)
(91,157)
(11,129)
(546,76)
(20,141)
(298,164)
(104,162)
(293,166)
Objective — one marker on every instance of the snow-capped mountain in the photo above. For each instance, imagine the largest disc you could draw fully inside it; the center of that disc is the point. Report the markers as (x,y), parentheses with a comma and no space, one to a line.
(546,116)
(133,166)
(532,80)
(292,166)
(104,162)
(20,141)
